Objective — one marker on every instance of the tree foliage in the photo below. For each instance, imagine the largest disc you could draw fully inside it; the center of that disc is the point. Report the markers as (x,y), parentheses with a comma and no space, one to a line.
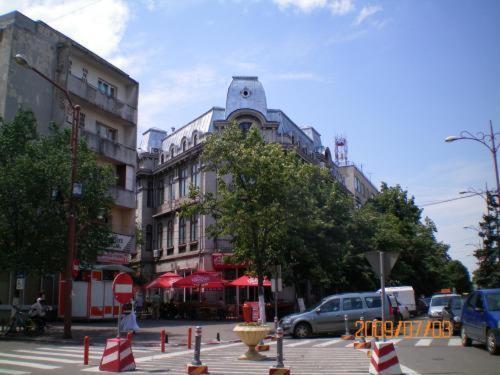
(34,188)
(487,275)
(280,210)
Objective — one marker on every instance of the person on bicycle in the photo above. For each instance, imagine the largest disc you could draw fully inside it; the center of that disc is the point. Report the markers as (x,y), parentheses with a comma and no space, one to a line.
(37,313)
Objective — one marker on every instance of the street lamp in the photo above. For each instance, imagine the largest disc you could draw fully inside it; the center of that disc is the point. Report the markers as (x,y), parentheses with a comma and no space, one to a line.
(23,61)
(487,140)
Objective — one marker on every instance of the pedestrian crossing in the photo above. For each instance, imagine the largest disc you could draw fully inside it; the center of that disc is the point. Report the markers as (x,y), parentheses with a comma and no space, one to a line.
(318,354)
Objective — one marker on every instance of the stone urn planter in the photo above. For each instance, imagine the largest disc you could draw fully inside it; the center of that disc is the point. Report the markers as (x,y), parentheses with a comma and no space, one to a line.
(251,334)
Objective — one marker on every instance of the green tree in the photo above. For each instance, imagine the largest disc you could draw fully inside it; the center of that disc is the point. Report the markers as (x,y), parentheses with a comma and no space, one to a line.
(458,276)
(391,221)
(488,273)
(258,196)
(34,187)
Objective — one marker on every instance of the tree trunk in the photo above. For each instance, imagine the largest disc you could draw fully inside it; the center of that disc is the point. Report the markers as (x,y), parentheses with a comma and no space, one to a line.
(262,304)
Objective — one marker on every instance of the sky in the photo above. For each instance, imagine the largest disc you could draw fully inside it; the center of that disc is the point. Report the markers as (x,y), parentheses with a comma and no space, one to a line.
(393,77)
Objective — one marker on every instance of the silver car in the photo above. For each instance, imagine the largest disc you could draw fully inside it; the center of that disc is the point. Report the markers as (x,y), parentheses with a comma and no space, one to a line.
(438,302)
(328,315)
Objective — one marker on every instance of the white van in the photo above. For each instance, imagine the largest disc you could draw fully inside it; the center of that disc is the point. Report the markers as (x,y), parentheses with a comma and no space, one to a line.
(405,296)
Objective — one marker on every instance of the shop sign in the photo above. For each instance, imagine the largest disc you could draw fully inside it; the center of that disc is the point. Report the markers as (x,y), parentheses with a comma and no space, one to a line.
(220,261)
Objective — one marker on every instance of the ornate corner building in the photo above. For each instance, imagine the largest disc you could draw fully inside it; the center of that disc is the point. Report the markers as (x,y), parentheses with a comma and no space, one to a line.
(169,163)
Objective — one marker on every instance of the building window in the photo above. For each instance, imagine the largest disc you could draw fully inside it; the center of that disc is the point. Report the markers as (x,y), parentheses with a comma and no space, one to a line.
(162,159)
(184,145)
(161,192)
(106,88)
(159,236)
(357,185)
(149,237)
(245,126)
(182,182)
(106,131)
(182,231)
(195,175)
(149,194)
(170,234)
(293,139)
(85,72)
(171,152)
(82,120)
(195,139)
(193,230)
(171,188)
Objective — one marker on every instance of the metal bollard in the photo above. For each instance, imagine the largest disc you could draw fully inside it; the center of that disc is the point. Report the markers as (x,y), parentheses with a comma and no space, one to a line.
(190,338)
(162,340)
(279,348)
(197,347)
(276,324)
(86,350)
(218,337)
(347,333)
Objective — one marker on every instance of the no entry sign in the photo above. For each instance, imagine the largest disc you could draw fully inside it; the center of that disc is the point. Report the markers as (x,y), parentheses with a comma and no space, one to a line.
(123,288)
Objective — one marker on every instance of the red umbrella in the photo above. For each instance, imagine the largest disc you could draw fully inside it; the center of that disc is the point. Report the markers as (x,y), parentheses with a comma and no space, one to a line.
(249,281)
(200,279)
(164,281)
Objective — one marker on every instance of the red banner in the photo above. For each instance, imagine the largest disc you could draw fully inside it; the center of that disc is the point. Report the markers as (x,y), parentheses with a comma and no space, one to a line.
(220,262)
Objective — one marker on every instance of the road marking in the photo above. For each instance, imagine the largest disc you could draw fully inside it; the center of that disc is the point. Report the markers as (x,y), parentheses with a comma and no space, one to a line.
(423,342)
(56,353)
(455,342)
(74,351)
(327,343)
(409,371)
(36,358)
(395,341)
(351,345)
(27,364)
(305,342)
(12,372)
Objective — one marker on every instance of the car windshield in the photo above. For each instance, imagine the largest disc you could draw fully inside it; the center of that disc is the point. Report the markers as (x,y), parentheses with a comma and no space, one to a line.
(493,300)
(439,301)
(456,303)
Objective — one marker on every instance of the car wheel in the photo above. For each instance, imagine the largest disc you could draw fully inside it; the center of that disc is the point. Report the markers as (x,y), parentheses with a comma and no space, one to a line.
(491,343)
(466,341)
(302,330)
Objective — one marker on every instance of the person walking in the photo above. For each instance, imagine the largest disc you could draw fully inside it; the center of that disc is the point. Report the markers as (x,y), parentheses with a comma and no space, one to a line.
(156,301)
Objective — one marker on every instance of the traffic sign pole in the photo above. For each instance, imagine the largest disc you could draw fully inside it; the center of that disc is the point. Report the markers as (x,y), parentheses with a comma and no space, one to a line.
(123,292)
(119,315)
(382,290)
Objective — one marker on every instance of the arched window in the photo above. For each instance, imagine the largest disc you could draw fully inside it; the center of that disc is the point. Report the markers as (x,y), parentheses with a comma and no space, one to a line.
(149,237)
(245,126)
(182,230)
(195,139)
(293,139)
(162,159)
(171,151)
(159,236)
(170,234)
(184,145)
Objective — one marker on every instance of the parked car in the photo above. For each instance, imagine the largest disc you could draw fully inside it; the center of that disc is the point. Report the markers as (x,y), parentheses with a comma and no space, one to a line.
(481,319)
(328,315)
(438,302)
(423,305)
(452,312)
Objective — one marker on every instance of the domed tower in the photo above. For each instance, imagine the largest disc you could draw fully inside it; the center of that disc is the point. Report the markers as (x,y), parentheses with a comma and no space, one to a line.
(246,93)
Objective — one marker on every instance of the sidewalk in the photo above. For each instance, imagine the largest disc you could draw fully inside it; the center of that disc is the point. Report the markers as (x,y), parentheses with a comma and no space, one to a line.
(148,335)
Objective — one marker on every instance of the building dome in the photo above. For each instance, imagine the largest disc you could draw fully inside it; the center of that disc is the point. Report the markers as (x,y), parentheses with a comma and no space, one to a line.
(246,93)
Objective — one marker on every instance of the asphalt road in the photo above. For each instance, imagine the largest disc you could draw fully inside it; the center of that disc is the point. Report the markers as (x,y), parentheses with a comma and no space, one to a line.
(323,355)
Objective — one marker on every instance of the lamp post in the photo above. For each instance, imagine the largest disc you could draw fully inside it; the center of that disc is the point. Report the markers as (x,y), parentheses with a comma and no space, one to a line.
(487,140)
(70,256)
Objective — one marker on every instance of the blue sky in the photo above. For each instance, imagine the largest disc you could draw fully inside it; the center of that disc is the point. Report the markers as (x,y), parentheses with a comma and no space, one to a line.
(394,77)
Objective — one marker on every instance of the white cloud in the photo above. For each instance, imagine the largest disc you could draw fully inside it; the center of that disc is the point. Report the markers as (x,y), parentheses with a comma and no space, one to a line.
(341,7)
(366,12)
(98,25)
(296,76)
(175,89)
(337,7)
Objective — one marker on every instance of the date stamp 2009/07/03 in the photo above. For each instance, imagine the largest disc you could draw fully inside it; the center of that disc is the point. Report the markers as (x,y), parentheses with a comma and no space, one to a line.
(406,329)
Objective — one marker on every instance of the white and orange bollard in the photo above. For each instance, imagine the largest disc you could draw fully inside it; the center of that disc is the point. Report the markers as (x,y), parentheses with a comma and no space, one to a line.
(117,356)
(384,360)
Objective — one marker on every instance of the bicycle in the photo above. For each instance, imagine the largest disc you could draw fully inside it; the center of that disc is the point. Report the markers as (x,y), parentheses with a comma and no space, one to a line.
(20,323)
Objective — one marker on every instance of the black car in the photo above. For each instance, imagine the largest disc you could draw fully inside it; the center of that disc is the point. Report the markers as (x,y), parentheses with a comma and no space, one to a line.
(422,306)
(452,312)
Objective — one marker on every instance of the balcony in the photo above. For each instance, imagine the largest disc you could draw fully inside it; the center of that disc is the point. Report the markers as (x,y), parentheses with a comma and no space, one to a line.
(122,197)
(109,104)
(170,206)
(109,148)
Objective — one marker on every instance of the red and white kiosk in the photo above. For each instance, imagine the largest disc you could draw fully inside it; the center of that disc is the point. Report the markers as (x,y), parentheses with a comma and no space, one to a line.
(93,293)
